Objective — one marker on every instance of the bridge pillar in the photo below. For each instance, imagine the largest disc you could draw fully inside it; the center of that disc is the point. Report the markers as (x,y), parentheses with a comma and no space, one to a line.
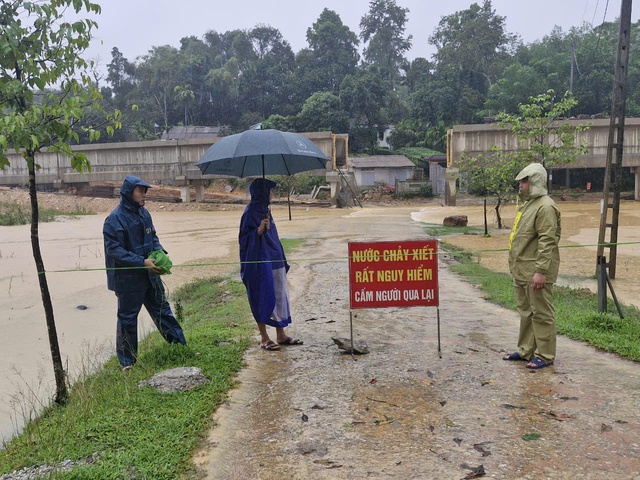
(334,181)
(185,188)
(636,192)
(199,184)
(185,193)
(450,177)
(59,186)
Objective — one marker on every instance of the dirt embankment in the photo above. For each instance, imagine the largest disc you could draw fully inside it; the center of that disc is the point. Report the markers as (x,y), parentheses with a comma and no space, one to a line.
(160,198)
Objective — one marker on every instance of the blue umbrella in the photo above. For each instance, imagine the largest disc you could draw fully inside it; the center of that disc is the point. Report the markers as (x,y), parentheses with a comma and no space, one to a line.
(262,152)
(254,153)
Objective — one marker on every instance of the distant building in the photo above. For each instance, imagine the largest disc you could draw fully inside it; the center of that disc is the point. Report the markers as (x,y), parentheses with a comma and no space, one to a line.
(437,166)
(189,132)
(381,169)
(383,137)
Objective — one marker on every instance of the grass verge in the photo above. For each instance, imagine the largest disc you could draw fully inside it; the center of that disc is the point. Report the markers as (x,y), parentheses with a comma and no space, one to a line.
(134,432)
(443,231)
(16,214)
(577,315)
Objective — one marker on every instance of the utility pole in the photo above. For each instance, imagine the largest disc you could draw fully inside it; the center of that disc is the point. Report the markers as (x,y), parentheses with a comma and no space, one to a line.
(573,62)
(613,168)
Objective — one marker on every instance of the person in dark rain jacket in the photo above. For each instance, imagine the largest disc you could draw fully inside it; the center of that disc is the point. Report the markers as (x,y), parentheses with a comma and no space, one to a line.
(264,267)
(129,238)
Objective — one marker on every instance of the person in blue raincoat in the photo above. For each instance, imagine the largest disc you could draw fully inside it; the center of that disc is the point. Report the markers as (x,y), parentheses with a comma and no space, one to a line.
(129,238)
(264,267)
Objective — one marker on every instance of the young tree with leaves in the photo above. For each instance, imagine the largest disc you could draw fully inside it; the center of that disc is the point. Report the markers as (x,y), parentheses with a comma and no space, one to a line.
(44,93)
(542,138)
(491,174)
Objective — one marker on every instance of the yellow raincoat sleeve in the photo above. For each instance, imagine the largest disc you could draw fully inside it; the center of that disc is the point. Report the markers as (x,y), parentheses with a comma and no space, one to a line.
(548,228)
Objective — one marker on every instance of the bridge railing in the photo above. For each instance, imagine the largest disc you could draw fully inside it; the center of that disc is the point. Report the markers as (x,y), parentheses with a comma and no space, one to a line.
(480,138)
(158,160)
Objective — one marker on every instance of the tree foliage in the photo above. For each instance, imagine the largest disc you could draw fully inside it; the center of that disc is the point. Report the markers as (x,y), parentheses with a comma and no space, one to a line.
(45,92)
(240,77)
(322,111)
(541,138)
(334,52)
(473,49)
(383,28)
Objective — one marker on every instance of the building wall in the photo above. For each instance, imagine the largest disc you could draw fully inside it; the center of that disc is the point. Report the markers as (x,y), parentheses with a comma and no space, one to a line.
(475,139)
(158,160)
(377,176)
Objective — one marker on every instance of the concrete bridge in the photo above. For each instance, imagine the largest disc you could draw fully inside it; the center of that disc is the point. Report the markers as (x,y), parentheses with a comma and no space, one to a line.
(476,139)
(171,161)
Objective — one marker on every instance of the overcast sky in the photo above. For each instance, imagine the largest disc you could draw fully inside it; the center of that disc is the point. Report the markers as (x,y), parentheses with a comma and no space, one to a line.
(134,26)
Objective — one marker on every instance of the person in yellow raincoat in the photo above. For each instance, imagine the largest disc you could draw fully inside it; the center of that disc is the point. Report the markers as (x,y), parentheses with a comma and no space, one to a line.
(534,260)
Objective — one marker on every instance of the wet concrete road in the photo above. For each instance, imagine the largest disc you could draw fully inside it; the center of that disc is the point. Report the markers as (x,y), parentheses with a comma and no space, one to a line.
(402,411)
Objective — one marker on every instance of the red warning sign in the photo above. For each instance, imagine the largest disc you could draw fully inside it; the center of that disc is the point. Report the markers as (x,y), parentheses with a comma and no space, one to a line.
(393,274)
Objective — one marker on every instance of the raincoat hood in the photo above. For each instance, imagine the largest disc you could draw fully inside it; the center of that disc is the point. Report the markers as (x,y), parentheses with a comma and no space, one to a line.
(260,189)
(126,190)
(537,180)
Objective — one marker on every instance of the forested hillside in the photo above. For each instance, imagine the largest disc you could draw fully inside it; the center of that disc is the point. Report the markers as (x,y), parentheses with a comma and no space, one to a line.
(361,82)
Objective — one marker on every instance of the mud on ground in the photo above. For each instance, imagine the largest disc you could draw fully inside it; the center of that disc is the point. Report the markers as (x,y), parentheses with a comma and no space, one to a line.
(408,410)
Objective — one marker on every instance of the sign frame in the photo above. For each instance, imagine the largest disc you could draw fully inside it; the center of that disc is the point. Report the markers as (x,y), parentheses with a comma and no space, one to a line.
(393,274)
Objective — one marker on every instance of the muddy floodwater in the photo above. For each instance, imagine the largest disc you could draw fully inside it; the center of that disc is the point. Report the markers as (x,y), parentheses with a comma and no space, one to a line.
(85,311)
(430,401)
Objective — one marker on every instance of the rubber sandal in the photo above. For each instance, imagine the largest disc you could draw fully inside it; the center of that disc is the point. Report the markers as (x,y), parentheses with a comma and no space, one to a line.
(291,341)
(269,345)
(537,364)
(515,356)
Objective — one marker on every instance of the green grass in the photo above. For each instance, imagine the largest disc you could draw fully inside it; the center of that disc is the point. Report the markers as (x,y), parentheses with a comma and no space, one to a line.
(16,214)
(290,244)
(138,432)
(577,315)
(417,153)
(436,230)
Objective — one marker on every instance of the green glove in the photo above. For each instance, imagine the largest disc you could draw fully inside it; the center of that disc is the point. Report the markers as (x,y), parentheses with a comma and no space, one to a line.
(162,260)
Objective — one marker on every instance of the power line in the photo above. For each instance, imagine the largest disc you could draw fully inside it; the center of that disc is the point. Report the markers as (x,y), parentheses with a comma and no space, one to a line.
(595,11)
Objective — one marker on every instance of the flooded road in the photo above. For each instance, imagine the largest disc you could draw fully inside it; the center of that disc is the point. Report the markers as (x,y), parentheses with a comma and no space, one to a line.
(402,411)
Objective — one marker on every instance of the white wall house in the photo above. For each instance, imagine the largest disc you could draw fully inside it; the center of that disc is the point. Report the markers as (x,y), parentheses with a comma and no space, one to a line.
(383,138)
(381,169)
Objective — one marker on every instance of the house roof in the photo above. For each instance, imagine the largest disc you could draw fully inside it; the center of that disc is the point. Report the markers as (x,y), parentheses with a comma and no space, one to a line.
(190,131)
(381,161)
(439,159)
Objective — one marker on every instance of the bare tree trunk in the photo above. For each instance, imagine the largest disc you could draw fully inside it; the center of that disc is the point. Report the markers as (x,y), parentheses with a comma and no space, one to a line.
(62,394)
(498,212)
(486,224)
